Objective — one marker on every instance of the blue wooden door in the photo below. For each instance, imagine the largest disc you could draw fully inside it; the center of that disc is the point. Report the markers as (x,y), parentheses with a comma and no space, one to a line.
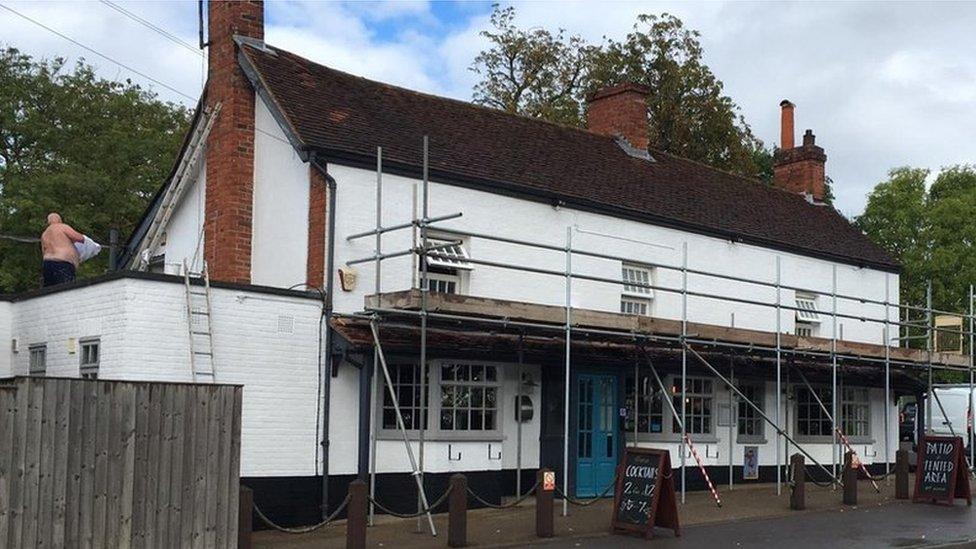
(596,440)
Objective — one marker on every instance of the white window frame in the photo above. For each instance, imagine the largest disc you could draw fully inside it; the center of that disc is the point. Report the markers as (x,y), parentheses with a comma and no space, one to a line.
(384,392)
(457,252)
(89,357)
(759,399)
(434,279)
(435,386)
(650,405)
(689,416)
(633,276)
(850,399)
(806,308)
(34,351)
(444,384)
(811,404)
(635,306)
(804,329)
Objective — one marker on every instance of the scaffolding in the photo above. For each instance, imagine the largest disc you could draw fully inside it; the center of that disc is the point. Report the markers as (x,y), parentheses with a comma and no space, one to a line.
(688,343)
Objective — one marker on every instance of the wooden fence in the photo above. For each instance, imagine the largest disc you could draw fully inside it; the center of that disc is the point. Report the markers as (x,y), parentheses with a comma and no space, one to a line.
(118,464)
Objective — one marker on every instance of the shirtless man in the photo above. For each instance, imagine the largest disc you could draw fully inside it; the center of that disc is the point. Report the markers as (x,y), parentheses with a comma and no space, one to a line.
(60,256)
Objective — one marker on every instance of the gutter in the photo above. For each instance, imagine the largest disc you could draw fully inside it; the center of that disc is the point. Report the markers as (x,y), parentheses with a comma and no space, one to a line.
(327,312)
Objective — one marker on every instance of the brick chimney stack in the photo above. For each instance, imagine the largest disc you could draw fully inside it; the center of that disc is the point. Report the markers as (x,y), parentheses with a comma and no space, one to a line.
(620,110)
(799,169)
(230,146)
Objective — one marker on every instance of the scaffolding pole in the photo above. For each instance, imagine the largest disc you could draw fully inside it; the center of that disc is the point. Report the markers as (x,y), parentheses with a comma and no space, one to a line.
(833,373)
(972,411)
(400,424)
(928,349)
(684,358)
(424,291)
(779,387)
(518,418)
(733,418)
(569,335)
(377,286)
(887,382)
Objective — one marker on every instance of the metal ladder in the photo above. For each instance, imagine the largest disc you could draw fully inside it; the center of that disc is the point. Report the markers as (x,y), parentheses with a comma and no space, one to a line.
(200,325)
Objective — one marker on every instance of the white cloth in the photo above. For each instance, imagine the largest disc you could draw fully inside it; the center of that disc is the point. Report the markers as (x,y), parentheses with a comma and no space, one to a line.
(87,249)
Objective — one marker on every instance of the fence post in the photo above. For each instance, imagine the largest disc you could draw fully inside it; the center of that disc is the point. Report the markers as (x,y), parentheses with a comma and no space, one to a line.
(543,505)
(457,512)
(245,517)
(850,479)
(798,494)
(901,474)
(356,516)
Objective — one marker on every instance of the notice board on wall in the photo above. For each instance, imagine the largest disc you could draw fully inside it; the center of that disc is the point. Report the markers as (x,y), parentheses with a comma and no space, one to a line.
(942,474)
(645,496)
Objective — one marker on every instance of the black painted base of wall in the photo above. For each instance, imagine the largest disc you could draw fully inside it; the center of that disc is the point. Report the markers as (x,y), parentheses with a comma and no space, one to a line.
(295,501)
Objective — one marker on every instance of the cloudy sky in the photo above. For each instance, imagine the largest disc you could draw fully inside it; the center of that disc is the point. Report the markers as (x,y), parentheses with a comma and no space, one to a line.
(881,84)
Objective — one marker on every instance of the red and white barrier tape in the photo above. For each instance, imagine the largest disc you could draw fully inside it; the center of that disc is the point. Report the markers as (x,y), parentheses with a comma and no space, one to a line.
(859,462)
(701,466)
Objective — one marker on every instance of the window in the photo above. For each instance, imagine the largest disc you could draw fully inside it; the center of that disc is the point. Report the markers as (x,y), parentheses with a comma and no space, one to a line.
(469,397)
(38,360)
(698,406)
(811,419)
(634,306)
(855,408)
(406,385)
(806,306)
(444,269)
(443,282)
(750,423)
(90,356)
(650,412)
(636,296)
(804,329)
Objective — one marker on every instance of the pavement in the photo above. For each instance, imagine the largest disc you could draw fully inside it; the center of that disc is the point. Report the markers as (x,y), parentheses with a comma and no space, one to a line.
(750,516)
(899,525)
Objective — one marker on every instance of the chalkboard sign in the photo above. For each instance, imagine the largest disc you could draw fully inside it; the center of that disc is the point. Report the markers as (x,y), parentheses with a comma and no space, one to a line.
(645,496)
(942,473)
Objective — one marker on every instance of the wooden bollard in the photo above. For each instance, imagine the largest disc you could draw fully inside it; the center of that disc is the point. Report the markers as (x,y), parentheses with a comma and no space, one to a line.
(543,503)
(901,474)
(245,517)
(849,478)
(356,516)
(798,493)
(457,522)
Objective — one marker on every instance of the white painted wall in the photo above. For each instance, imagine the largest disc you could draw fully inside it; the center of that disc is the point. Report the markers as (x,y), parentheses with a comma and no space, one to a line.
(142,327)
(279,245)
(6,335)
(510,217)
(184,233)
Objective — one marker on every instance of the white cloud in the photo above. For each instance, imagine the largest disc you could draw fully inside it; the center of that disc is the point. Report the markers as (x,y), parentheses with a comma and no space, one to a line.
(882,85)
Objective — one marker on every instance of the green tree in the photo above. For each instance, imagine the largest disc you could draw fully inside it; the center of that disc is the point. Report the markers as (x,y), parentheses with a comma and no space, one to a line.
(92,149)
(547,75)
(931,231)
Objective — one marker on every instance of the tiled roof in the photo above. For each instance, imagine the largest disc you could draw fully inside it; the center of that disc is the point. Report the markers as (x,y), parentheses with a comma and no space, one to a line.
(346,117)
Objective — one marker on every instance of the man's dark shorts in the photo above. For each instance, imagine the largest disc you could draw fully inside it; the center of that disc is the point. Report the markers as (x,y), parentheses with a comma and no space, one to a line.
(58,272)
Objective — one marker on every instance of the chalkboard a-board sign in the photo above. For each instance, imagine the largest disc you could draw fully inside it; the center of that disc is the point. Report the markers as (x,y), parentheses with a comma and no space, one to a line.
(942,473)
(645,496)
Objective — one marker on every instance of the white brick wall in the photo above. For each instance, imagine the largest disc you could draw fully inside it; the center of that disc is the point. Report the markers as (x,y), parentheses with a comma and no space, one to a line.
(142,327)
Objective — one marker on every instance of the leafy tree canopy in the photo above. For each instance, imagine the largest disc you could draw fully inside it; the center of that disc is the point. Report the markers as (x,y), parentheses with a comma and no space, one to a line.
(931,230)
(91,149)
(545,74)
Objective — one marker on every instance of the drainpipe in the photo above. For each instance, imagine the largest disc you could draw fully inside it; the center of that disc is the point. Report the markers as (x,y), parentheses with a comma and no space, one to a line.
(329,286)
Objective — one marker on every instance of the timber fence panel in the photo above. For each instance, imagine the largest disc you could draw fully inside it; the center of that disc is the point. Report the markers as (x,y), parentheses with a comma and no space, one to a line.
(8,400)
(87,463)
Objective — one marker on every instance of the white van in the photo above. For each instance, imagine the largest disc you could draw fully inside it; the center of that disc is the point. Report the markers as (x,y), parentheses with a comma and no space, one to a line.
(955,420)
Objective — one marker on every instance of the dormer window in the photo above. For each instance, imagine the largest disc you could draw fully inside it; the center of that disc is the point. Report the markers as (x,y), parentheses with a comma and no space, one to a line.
(447,262)
(807,315)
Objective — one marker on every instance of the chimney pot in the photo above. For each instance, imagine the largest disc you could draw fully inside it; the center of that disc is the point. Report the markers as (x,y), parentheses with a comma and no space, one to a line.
(620,110)
(786,141)
(809,139)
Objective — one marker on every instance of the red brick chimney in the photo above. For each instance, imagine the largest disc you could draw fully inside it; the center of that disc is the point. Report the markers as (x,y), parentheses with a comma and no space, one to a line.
(230,147)
(620,110)
(799,169)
